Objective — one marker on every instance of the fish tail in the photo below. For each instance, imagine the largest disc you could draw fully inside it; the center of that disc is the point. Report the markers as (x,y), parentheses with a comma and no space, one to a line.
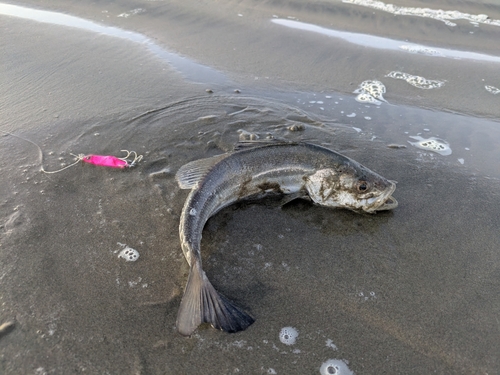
(201,303)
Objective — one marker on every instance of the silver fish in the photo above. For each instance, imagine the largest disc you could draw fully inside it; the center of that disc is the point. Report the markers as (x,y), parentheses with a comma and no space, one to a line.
(297,170)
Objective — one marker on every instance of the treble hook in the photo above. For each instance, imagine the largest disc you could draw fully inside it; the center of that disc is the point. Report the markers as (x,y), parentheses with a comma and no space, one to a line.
(136,159)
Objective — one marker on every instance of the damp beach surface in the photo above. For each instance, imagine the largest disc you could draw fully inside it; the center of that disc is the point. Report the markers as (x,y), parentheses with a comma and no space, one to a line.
(409,291)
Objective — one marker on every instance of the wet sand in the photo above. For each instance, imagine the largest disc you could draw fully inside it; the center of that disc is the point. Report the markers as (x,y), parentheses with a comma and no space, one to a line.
(409,291)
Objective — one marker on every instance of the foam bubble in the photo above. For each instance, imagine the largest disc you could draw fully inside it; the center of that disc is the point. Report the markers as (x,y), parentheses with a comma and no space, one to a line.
(370,91)
(417,81)
(288,335)
(437,14)
(129,254)
(330,344)
(132,13)
(372,87)
(492,89)
(335,367)
(421,50)
(367,98)
(431,144)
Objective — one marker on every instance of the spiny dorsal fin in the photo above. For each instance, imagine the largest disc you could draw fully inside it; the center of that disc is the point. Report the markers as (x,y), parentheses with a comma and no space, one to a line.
(191,173)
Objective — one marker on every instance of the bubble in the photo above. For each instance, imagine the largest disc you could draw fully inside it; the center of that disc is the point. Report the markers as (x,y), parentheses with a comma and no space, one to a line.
(129,254)
(417,81)
(437,14)
(492,89)
(288,335)
(134,283)
(431,144)
(192,212)
(335,367)
(371,88)
(330,344)
(132,12)
(420,50)
(367,98)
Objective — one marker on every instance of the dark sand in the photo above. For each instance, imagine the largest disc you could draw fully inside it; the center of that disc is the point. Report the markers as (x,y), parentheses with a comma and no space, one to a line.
(413,291)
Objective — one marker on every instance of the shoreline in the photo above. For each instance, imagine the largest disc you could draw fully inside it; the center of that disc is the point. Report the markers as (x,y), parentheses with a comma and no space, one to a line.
(249,50)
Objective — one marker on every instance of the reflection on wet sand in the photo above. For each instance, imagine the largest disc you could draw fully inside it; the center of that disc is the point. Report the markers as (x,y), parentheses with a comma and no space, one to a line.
(371,41)
(190,69)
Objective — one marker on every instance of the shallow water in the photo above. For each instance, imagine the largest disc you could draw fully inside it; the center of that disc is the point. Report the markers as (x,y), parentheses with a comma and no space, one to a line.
(409,291)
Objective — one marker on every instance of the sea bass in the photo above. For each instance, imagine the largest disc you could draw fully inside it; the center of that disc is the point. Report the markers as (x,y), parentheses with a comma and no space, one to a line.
(297,170)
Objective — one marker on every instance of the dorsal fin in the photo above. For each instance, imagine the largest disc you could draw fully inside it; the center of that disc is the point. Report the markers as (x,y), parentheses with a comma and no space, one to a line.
(191,173)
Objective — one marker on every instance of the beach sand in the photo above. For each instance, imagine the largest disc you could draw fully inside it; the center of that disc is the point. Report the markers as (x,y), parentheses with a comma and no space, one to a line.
(412,291)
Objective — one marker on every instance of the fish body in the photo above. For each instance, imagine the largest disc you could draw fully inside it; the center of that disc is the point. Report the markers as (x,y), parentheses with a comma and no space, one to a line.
(296,170)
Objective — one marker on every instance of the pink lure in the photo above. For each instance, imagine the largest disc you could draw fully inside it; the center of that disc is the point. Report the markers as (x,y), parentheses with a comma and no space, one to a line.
(105,161)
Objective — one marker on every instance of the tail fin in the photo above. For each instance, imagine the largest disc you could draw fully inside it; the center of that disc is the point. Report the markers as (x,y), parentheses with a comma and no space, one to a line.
(203,304)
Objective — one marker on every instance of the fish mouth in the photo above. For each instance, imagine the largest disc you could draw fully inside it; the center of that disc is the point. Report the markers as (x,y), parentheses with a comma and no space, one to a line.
(385,201)
(389,204)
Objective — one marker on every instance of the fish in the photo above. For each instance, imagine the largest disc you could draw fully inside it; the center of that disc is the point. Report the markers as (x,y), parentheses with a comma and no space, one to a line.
(292,170)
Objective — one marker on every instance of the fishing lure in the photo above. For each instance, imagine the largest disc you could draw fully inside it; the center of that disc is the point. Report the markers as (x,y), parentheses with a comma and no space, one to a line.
(104,161)
(111,161)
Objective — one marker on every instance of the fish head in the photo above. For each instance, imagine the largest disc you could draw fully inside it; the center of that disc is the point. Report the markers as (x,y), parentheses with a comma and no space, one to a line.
(351,186)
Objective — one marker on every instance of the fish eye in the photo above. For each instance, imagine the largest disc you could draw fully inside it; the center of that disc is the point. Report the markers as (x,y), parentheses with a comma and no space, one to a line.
(362,186)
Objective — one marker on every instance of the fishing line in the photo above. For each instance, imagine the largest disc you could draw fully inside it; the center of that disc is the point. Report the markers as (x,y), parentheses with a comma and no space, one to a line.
(101,160)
